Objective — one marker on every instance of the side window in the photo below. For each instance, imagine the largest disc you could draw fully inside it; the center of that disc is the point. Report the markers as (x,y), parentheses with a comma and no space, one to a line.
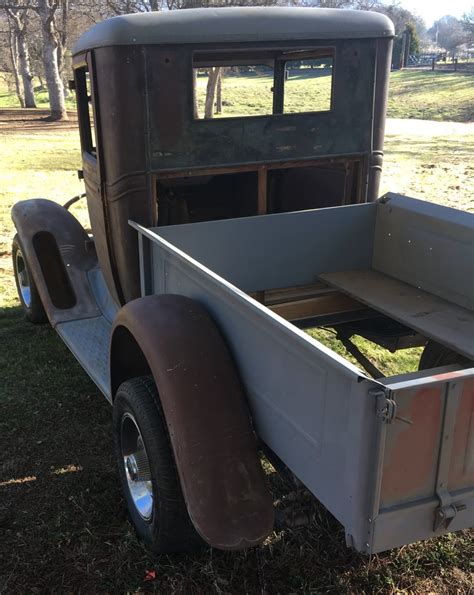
(86,112)
(308,85)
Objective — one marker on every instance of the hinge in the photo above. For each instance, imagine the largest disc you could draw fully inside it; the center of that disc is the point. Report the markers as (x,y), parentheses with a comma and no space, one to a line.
(386,408)
(445,514)
(72,85)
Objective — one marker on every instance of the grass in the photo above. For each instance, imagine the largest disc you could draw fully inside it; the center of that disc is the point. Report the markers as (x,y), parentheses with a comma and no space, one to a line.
(426,95)
(421,94)
(8,97)
(62,521)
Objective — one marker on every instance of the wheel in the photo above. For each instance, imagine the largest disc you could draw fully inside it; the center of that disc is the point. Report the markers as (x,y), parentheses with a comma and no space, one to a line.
(27,291)
(147,470)
(435,355)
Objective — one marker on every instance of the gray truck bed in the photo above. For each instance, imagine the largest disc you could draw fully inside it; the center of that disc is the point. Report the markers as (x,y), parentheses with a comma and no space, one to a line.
(388,459)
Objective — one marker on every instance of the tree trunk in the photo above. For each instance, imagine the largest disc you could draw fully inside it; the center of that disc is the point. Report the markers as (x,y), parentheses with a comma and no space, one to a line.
(24,65)
(195,97)
(50,60)
(14,59)
(211,92)
(219,92)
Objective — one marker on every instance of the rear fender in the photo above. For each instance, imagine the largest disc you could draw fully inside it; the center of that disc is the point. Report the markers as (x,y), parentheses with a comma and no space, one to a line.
(206,412)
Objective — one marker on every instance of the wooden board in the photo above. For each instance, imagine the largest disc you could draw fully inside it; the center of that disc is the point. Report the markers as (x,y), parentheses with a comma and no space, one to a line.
(431,316)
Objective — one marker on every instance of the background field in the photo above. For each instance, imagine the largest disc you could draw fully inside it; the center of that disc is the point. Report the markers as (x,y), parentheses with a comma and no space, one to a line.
(62,521)
(421,94)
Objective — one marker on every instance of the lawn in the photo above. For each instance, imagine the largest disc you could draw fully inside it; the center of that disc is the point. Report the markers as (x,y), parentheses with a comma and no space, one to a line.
(420,94)
(62,519)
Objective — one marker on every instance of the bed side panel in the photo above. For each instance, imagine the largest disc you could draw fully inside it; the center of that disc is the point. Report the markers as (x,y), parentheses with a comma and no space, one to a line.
(312,408)
(284,249)
(428,246)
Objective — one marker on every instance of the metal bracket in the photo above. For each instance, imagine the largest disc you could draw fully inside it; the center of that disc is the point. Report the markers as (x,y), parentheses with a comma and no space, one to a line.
(445,514)
(386,408)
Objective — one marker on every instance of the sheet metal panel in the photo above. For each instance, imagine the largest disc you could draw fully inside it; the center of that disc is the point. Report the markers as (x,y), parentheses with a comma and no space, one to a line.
(427,461)
(426,245)
(177,141)
(280,250)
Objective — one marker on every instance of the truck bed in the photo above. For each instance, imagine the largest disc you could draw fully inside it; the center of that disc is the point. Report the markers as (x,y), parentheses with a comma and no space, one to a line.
(393,460)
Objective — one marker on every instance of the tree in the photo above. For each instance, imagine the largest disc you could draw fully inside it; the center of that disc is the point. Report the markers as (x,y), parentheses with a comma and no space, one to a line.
(468,23)
(449,32)
(47,10)
(414,48)
(52,49)
(20,56)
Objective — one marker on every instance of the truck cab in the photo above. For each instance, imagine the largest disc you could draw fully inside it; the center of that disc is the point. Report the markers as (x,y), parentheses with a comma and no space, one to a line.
(300,97)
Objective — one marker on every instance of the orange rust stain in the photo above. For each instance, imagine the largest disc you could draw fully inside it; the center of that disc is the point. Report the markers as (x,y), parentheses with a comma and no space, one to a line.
(448,375)
(461,469)
(412,450)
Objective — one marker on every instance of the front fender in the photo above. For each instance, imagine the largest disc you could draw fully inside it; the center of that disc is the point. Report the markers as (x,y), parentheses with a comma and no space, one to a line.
(207,416)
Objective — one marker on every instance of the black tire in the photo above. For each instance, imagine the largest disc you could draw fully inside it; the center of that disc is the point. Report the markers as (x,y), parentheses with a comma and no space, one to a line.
(435,355)
(30,302)
(168,528)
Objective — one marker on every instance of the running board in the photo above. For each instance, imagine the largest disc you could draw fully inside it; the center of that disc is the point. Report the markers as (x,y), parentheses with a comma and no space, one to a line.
(89,341)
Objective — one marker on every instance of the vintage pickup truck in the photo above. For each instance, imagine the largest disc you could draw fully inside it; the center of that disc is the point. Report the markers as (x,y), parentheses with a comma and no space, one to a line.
(232,160)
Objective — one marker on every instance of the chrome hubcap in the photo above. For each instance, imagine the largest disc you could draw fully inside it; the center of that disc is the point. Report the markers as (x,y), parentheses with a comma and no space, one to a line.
(137,467)
(23,279)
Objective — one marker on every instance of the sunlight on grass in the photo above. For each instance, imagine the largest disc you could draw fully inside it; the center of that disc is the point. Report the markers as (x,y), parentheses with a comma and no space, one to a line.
(66,530)
(420,94)
(251,94)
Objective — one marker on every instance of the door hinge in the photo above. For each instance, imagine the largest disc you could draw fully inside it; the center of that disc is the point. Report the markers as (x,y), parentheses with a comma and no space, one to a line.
(386,408)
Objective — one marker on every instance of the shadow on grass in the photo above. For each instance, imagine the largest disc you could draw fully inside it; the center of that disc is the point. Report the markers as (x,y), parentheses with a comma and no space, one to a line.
(62,518)
(430,148)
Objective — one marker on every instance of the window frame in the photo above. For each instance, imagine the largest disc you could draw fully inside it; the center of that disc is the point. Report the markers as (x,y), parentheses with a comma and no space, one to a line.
(275,59)
(87,128)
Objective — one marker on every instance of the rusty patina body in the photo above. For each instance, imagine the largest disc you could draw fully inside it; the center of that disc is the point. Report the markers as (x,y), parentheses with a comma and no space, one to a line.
(148,143)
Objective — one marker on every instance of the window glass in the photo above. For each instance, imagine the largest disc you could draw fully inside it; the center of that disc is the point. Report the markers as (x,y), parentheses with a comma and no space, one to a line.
(233,91)
(308,85)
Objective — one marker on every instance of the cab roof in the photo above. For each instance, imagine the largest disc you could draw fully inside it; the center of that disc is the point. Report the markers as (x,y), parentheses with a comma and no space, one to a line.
(234,25)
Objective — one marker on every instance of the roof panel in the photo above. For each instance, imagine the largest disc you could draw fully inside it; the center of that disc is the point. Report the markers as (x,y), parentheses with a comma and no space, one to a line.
(227,25)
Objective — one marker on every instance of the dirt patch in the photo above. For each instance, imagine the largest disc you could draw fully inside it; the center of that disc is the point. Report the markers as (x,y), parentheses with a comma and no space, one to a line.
(33,120)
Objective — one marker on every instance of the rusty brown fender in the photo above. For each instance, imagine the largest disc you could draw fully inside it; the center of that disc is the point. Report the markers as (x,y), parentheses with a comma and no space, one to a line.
(207,415)
(68,296)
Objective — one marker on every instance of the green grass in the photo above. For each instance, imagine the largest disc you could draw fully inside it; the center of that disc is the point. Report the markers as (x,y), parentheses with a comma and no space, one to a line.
(421,94)
(426,95)
(62,521)
(305,90)
(8,97)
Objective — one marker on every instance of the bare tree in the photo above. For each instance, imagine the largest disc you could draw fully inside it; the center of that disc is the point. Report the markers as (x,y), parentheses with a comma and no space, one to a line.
(450,33)
(47,10)
(18,19)
(13,47)
(214,74)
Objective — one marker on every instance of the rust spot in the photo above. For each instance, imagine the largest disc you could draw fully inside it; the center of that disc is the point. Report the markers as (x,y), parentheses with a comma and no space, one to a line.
(412,450)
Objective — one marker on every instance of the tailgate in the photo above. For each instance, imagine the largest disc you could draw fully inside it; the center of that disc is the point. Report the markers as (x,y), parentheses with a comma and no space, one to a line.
(424,475)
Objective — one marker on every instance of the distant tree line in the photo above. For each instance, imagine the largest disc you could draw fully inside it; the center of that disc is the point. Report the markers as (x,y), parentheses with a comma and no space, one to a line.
(36,36)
